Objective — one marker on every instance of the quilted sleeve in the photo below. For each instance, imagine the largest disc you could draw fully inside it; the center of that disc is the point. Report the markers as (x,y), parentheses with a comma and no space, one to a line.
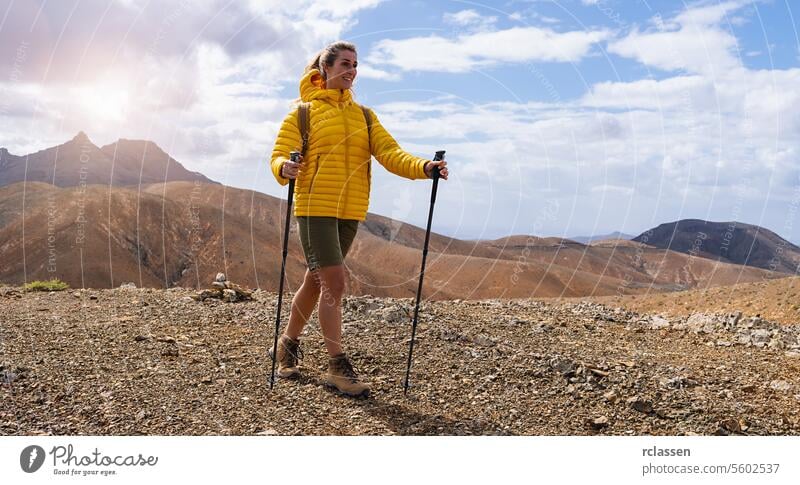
(386,151)
(288,140)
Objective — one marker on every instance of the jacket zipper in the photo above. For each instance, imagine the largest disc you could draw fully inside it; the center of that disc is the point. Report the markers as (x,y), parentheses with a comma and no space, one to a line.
(369,160)
(346,152)
(316,169)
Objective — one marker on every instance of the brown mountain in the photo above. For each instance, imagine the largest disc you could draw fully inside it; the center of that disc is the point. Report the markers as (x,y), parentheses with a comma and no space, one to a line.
(183,233)
(161,225)
(729,242)
(126,162)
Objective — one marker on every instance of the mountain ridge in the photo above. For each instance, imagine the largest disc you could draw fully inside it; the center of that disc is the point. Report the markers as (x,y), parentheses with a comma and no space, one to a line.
(182,232)
(81,162)
(730,241)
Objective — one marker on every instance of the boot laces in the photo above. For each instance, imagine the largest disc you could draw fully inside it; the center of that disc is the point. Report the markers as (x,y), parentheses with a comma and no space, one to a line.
(347,369)
(293,353)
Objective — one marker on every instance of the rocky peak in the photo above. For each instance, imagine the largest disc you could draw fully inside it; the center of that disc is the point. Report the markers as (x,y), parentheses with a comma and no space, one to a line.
(81,137)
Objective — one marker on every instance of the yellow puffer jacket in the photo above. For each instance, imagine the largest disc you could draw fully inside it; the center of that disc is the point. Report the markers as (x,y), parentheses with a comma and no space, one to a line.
(335,178)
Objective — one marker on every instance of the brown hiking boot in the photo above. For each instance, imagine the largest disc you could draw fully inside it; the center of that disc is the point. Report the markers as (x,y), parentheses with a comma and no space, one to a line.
(288,354)
(342,376)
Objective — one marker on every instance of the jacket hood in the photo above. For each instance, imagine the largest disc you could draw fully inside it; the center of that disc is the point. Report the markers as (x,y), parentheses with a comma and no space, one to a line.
(312,87)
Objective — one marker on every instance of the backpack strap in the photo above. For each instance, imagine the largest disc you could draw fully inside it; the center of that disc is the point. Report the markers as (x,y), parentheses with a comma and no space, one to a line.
(368,118)
(304,122)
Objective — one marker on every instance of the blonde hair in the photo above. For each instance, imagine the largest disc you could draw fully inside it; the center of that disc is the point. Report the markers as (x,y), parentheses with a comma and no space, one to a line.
(328,56)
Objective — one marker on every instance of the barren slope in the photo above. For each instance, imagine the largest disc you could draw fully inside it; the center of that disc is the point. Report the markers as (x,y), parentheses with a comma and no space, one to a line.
(777,300)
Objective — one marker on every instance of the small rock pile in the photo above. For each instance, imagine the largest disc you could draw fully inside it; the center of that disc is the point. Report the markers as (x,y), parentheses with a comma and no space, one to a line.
(222,289)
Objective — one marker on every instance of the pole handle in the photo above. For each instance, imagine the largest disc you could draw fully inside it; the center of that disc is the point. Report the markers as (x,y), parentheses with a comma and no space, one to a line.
(439,156)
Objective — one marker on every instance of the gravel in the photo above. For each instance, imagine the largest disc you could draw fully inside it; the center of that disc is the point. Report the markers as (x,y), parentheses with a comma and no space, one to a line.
(133,361)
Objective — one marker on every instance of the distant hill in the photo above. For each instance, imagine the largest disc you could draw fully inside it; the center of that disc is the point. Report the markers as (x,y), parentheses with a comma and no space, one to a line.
(729,242)
(602,237)
(183,233)
(79,161)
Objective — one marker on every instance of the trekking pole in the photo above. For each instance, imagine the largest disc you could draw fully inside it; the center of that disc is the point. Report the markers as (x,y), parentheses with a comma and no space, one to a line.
(439,156)
(293,156)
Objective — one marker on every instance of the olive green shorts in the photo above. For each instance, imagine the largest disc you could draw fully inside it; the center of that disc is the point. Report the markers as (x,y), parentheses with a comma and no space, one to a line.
(326,240)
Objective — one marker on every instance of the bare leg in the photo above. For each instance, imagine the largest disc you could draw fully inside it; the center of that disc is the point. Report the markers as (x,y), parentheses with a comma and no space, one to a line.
(303,305)
(332,286)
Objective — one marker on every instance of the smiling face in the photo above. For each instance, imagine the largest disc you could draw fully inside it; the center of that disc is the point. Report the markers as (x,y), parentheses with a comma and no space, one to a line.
(343,71)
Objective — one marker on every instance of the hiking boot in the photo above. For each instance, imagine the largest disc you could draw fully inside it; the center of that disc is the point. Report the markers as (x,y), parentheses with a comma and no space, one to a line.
(288,354)
(342,376)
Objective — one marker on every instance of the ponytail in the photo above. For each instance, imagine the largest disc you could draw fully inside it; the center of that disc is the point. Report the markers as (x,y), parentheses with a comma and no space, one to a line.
(314,64)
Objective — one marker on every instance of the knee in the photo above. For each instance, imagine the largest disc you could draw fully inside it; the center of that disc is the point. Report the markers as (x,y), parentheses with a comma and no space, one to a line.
(333,287)
(312,282)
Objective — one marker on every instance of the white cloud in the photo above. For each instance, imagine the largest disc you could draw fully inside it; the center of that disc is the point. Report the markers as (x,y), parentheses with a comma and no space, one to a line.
(478,50)
(688,92)
(686,49)
(652,150)
(470,18)
(463,17)
(693,41)
(705,15)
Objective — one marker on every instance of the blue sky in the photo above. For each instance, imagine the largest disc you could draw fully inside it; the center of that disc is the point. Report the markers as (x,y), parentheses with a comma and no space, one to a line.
(559,118)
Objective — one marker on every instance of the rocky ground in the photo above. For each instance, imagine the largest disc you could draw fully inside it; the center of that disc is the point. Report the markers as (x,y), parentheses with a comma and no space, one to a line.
(140,361)
(775,299)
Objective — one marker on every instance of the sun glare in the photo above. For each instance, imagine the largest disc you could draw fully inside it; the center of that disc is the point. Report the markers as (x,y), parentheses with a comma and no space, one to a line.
(104,102)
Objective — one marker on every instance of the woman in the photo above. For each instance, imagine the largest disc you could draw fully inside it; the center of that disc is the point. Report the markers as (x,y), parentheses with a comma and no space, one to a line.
(331,197)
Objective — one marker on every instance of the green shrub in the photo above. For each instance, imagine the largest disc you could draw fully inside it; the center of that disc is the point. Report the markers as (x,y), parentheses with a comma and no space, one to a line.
(52,285)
